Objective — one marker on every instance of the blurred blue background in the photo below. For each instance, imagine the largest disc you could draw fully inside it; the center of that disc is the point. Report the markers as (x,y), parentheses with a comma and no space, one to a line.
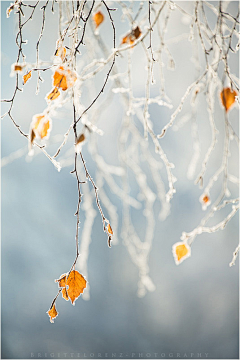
(195,307)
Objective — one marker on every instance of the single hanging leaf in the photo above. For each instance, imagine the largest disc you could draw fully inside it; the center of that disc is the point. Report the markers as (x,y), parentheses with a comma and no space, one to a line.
(54,94)
(75,285)
(27,77)
(228,98)
(98,18)
(52,313)
(181,251)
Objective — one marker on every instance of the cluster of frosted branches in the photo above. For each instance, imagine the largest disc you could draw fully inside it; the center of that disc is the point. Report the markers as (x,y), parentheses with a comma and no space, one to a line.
(92,67)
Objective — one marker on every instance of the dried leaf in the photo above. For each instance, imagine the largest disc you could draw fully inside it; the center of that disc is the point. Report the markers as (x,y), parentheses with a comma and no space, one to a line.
(181,251)
(9,10)
(62,280)
(228,98)
(32,136)
(54,94)
(62,283)
(64,294)
(75,285)
(132,36)
(27,77)
(109,229)
(52,313)
(18,67)
(80,139)
(98,18)
(64,78)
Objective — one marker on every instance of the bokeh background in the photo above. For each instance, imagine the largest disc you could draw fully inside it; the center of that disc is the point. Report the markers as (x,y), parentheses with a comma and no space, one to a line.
(195,307)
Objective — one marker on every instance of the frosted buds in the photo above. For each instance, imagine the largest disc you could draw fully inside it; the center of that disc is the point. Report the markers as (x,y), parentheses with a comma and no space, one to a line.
(205,200)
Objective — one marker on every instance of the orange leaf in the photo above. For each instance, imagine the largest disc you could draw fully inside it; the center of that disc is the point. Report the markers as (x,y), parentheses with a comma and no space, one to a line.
(98,18)
(54,94)
(64,79)
(76,284)
(228,97)
(80,139)
(27,77)
(18,67)
(109,229)
(52,313)
(62,280)
(60,80)
(181,251)
(64,294)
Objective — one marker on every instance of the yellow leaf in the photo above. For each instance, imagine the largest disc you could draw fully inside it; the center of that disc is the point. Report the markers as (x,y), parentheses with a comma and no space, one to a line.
(54,94)
(98,18)
(27,77)
(75,285)
(228,98)
(52,313)
(181,251)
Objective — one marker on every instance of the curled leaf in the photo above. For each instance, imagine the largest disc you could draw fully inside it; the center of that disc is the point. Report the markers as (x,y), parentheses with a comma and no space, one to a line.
(75,285)
(98,18)
(52,313)
(9,10)
(181,251)
(228,98)
(27,77)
